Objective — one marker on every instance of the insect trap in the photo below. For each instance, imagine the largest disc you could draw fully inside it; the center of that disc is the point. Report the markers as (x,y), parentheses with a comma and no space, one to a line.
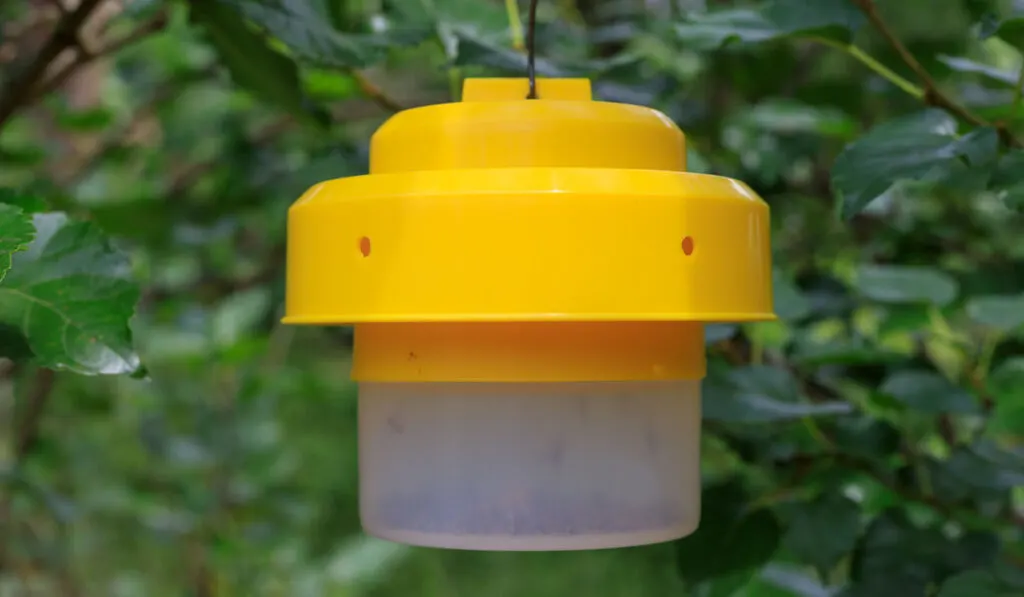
(529,281)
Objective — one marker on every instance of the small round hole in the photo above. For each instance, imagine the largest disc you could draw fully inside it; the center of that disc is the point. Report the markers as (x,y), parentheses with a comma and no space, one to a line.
(688,246)
(364,246)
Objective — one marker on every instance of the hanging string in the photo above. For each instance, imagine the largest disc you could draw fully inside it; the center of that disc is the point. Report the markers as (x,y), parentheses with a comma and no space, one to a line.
(531,50)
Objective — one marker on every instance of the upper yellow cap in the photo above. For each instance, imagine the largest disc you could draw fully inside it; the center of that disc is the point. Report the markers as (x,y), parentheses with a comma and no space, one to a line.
(503,209)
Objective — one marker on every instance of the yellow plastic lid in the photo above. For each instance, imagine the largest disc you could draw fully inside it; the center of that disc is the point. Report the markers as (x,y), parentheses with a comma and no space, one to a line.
(504,210)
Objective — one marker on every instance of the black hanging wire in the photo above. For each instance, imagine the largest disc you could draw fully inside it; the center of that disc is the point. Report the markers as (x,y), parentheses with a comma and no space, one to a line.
(531,50)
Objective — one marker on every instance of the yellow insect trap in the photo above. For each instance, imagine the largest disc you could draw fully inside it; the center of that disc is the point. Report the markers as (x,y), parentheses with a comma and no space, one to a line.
(529,281)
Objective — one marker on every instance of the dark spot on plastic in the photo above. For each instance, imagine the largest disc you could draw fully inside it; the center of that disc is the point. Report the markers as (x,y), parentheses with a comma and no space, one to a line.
(364,246)
(688,245)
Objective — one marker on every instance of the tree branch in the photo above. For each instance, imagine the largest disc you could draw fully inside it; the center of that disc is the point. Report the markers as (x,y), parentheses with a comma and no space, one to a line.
(375,93)
(933,96)
(84,55)
(119,139)
(19,90)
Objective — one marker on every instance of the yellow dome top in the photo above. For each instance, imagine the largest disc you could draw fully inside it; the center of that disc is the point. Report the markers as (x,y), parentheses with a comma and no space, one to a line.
(494,127)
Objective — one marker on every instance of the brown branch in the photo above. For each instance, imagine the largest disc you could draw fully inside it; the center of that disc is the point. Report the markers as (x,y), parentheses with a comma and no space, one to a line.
(375,93)
(84,55)
(19,90)
(933,96)
(59,5)
(119,139)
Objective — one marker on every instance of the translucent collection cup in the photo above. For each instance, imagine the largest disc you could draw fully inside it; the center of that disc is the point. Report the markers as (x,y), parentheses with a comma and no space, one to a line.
(530,466)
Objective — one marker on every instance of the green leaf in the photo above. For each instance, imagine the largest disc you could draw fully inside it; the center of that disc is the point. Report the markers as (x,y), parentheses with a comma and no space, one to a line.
(921,147)
(836,20)
(980,9)
(791,581)
(1008,179)
(16,231)
(472,49)
(866,436)
(822,532)
(309,34)
(761,394)
(711,30)
(966,65)
(27,202)
(88,120)
(1002,312)
(787,117)
(238,314)
(929,392)
(789,302)
(981,471)
(253,64)
(906,284)
(841,352)
(831,19)
(329,84)
(895,559)
(71,295)
(1010,30)
(730,537)
(1006,386)
(975,583)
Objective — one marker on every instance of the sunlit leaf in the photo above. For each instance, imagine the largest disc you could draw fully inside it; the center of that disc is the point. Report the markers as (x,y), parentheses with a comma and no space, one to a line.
(71,294)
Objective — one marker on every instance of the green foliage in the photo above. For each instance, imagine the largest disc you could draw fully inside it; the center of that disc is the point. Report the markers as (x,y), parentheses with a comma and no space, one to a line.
(731,538)
(309,35)
(906,284)
(71,295)
(866,444)
(836,20)
(824,531)
(252,62)
(975,584)
(16,231)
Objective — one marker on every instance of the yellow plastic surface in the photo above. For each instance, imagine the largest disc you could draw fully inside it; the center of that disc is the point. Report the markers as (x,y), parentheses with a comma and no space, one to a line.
(528,245)
(502,209)
(494,127)
(540,352)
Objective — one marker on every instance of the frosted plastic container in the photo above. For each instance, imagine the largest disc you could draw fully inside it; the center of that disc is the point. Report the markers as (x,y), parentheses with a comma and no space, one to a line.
(530,466)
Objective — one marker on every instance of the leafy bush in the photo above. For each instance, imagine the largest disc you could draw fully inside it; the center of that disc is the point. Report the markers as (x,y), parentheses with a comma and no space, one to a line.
(164,435)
